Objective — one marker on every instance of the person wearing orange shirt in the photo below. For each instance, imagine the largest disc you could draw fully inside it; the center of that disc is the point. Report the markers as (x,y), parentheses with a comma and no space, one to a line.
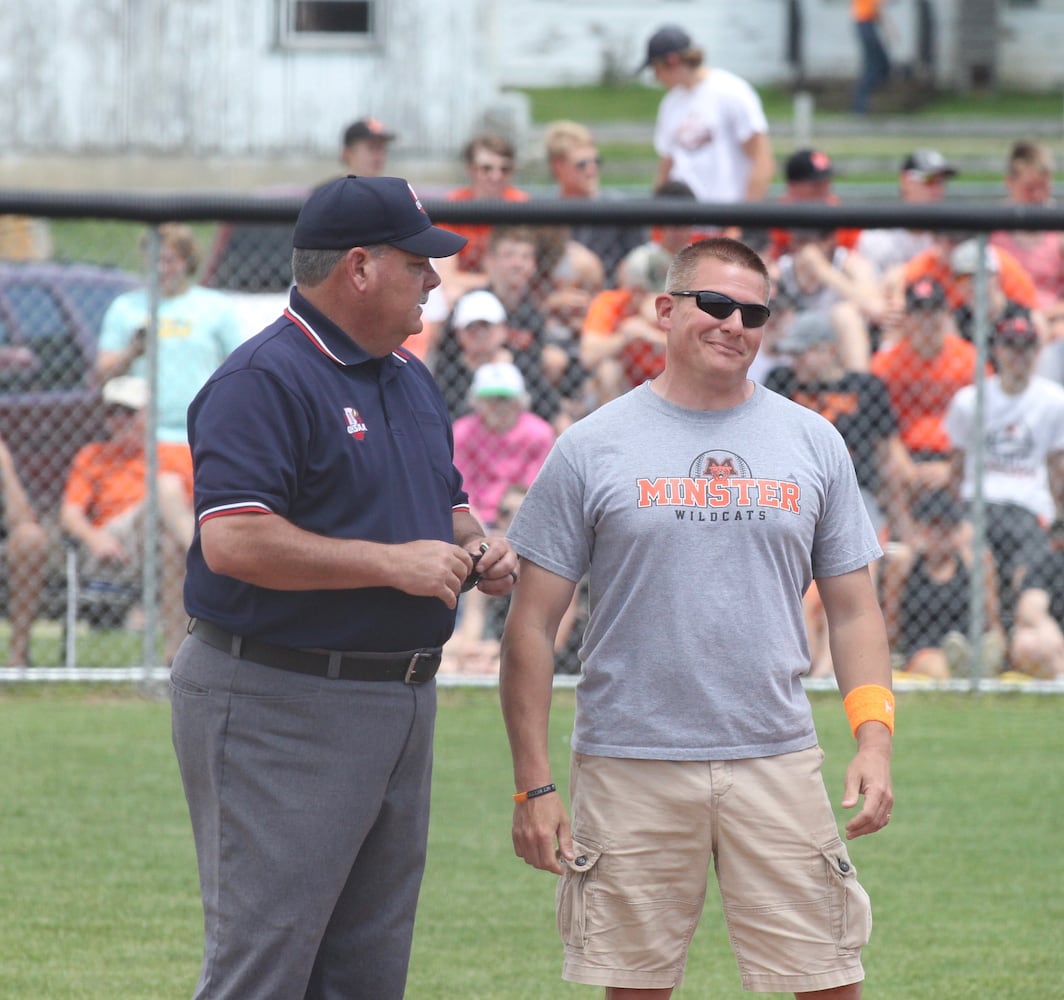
(621,344)
(490,161)
(940,261)
(103,503)
(923,370)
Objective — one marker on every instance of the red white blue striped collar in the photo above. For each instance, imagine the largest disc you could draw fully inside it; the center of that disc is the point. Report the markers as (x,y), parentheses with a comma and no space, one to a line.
(316,339)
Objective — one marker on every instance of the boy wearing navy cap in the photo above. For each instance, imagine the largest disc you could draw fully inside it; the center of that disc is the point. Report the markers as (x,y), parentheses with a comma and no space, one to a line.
(333,539)
(711,131)
(365,147)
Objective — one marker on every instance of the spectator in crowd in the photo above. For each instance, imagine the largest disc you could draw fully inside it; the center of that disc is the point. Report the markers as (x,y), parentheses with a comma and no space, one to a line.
(26,555)
(711,131)
(927,595)
(500,443)
(784,313)
(478,332)
(477,336)
(923,370)
(858,405)
(1036,644)
(574,276)
(921,181)
(809,175)
(490,160)
(498,448)
(197,329)
(964,263)
(512,266)
(103,504)
(574,161)
(942,260)
(622,344)
(365,147)
(821,276)
(1022,438)
(875,62)
(672,238)
(1029,181)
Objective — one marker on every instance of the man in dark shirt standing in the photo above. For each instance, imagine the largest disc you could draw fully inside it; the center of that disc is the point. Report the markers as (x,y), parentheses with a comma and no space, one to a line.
(333,538)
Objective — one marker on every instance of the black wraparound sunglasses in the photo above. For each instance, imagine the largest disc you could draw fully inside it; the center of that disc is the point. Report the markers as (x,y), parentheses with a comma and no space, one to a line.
(721,306)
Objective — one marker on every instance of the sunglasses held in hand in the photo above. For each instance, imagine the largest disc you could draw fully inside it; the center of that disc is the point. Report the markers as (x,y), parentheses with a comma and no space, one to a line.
(721,306)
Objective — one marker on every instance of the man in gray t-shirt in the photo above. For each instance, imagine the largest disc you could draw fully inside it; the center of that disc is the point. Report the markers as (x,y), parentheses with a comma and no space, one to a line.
(701,506)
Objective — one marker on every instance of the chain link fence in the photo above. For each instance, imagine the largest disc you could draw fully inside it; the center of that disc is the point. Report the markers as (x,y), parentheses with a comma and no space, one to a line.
(549,317)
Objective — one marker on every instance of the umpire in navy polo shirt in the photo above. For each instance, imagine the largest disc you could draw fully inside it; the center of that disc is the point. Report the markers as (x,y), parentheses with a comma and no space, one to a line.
(333,539)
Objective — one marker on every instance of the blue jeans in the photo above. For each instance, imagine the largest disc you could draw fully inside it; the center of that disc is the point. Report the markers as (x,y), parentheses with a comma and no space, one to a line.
(875,64)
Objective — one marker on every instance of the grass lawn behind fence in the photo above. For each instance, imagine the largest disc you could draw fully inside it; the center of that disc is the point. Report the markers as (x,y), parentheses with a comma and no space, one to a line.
(100,900)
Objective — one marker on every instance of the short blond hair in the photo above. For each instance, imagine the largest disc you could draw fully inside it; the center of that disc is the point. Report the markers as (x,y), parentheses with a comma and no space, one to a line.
(178,237)
(563,136)
(722,248)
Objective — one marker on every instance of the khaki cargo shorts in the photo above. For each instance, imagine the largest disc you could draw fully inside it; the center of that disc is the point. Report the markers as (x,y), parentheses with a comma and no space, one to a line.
(645,833)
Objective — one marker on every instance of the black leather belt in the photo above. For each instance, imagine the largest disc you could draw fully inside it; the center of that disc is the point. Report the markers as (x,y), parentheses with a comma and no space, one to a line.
(413,666)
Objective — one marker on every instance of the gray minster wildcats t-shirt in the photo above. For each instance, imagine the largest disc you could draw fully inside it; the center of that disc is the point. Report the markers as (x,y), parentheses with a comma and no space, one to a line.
(701,531)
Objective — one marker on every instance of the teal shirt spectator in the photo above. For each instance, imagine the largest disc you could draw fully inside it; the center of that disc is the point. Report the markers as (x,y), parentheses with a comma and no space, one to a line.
(198,329)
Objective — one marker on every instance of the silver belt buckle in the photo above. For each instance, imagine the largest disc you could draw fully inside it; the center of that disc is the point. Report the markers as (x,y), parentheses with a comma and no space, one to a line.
(412,668)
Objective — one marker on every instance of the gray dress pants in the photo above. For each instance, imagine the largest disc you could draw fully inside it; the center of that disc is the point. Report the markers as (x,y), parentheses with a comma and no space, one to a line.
(309,801)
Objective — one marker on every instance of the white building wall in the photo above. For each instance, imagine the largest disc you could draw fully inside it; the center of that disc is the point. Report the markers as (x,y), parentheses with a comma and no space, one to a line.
(551,42)
(206,77)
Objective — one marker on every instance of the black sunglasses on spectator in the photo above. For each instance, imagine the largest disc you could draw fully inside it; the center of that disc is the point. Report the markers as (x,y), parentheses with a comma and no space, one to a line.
(721,306)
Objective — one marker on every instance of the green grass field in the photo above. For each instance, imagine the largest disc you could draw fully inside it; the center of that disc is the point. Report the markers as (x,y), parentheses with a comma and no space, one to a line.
(100,900)
(865,151)
(638,101)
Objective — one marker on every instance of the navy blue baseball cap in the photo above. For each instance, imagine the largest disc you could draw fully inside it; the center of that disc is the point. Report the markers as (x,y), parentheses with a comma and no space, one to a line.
(667,39)
(364,211)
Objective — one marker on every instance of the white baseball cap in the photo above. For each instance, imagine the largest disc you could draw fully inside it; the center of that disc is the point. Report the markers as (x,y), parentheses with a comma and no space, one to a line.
(478,307)
(498,380)
(130,391)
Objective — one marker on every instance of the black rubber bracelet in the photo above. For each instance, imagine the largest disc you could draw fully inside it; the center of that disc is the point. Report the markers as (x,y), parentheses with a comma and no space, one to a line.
(534,793)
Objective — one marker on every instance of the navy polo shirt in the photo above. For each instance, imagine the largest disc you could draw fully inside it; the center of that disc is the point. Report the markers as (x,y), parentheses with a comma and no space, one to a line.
(302,423)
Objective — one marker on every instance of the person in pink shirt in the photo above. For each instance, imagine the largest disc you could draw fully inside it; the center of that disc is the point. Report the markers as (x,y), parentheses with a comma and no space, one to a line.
(500,443)
(1029,181)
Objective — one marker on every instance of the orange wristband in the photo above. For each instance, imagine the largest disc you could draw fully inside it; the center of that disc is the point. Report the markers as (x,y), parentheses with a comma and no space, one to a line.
(534,793)
(869,703)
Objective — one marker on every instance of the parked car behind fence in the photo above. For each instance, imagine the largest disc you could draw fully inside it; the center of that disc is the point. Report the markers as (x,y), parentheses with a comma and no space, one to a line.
(50,317)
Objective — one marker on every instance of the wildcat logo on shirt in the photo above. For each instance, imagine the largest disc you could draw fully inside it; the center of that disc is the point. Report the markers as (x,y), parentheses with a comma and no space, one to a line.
(355,427)
(720,479)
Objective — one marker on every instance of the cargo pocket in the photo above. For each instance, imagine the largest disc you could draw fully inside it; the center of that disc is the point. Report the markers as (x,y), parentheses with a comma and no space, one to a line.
(574,889)
(851,910)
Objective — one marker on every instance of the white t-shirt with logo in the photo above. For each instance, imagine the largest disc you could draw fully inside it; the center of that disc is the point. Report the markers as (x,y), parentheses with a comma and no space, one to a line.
(1022,430)
(701,531)
(703,129)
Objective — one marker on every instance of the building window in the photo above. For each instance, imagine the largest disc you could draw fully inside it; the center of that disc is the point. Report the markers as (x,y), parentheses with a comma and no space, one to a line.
(328,24)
